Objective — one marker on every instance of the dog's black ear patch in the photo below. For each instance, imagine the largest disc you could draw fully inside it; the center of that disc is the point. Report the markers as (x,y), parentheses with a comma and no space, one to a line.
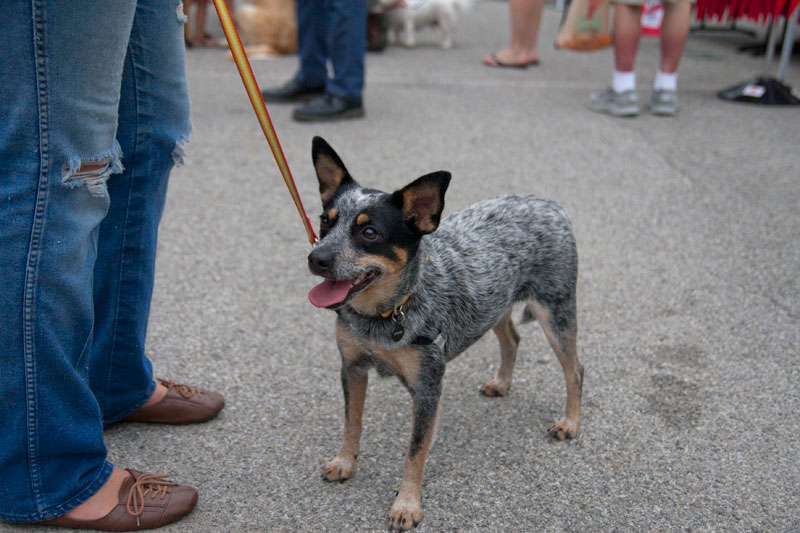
(422,201)
(331,172)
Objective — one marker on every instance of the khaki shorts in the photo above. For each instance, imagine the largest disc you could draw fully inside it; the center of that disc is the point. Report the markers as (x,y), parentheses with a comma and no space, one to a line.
(643,2)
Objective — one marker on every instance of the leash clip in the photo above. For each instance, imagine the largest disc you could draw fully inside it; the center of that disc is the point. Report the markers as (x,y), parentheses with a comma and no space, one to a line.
(398,315)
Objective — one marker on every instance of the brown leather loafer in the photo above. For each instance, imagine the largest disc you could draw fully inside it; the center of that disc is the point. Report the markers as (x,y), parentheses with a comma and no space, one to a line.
(183,404)
(146,501)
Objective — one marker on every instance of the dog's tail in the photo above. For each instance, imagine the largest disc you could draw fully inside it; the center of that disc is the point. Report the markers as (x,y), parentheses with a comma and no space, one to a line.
(527,315)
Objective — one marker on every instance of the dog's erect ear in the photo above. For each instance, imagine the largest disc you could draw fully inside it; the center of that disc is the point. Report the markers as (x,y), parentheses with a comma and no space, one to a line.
(330,169)
(422,201)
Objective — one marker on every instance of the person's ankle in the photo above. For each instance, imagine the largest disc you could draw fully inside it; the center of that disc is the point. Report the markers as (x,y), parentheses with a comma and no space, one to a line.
(103,501)
(157,396)
(513,54)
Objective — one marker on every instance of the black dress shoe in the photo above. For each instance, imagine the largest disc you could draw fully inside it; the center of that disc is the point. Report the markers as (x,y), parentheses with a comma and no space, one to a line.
(292,91)
(328,107)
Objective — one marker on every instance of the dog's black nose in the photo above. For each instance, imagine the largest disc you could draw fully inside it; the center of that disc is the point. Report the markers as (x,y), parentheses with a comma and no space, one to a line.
(320,260)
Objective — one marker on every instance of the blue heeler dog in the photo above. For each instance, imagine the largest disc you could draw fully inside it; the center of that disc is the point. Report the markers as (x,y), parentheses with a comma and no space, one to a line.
(411,294)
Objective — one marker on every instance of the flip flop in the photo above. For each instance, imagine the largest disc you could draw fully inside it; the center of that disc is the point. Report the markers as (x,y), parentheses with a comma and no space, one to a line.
(495,62)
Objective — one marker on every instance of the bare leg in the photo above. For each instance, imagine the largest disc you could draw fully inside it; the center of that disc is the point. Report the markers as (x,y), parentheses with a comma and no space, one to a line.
(187,29)
(508,338)
(674,32)
(525,18)
(627,29)
(199,38)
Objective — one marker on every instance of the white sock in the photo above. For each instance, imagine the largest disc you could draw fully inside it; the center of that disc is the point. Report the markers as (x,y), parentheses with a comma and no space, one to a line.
(623,81)
(666,82)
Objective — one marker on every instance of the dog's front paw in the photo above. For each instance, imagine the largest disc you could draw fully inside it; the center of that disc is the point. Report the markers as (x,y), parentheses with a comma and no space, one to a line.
(564,429)
(405,514)
(495,387)
(340,469)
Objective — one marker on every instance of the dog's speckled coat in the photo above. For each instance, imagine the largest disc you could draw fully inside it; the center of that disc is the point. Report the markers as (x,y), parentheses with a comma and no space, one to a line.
(461,278)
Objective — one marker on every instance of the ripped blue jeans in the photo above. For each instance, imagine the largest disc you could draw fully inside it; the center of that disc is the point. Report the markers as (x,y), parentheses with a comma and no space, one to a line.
(93,110)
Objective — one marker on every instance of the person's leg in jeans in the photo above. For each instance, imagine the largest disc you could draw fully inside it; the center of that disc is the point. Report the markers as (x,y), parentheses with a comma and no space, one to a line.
(347,48)
(58,100)
(57,151)
(335,31)
(153,123)
(346,37)
(312,52)
(313,21)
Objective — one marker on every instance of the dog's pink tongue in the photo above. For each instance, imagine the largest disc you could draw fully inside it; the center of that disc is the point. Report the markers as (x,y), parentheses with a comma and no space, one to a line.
(329,293)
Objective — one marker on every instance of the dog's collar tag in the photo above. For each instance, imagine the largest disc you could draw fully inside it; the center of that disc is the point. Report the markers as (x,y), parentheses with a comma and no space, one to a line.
(398,330)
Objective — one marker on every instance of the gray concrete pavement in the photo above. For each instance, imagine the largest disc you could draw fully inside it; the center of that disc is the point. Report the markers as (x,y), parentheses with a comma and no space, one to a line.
(689,301)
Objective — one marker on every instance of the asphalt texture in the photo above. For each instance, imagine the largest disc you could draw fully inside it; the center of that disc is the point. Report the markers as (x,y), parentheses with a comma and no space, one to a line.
(688,296)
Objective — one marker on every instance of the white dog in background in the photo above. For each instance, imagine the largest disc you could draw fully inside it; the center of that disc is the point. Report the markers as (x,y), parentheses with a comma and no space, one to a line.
(407,16)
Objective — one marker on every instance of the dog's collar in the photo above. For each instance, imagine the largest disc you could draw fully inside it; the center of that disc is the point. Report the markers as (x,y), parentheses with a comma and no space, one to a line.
(396,312)
(439,341)
(397,308)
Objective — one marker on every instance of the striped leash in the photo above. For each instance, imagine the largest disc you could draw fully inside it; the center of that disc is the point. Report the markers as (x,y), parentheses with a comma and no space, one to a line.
(253,92)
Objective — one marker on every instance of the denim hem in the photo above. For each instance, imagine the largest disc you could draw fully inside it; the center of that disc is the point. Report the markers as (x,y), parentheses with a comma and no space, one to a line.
(131,408)
(64,508)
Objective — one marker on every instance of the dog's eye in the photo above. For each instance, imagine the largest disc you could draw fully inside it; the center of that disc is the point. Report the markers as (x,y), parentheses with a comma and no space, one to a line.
(324,220)
(369,233)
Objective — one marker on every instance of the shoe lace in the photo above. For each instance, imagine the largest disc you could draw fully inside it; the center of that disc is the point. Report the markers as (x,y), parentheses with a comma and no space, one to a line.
(154,484)
(187,391)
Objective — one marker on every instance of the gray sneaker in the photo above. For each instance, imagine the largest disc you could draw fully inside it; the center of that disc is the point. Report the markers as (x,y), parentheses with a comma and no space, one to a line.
(624,104)
(664,102)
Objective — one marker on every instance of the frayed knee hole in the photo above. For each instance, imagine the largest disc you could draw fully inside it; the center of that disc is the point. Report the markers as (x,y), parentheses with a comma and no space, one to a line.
(94,168)
(93,175)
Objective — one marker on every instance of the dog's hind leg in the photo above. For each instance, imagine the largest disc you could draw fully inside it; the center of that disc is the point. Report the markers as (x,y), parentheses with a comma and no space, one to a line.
(561,329)
(508,338)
